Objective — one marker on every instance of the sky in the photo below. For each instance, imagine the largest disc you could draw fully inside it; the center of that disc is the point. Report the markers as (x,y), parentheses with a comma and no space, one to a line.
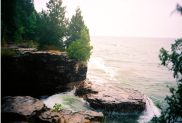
(126,18)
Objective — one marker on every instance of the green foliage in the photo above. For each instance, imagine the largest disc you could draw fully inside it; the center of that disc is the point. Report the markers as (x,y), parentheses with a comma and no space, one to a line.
(50,29)
(173,60)
(32,44)
(79,50)
(75,27)
(17,37)
(18,20)
(52,24)
(78,44)
(57,106)
(7,52)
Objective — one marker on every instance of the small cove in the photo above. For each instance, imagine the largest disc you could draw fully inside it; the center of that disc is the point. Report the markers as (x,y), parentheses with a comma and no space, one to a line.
(127,62)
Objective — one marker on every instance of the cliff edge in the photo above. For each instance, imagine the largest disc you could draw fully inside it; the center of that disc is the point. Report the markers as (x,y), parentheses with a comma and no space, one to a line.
(40,73)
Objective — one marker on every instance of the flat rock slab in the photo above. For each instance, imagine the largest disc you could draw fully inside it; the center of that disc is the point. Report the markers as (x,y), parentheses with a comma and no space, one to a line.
(23,105)
(110,97)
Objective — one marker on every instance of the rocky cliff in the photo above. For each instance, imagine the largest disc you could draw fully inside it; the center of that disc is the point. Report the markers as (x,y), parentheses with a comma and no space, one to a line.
(45,73)
(40,73)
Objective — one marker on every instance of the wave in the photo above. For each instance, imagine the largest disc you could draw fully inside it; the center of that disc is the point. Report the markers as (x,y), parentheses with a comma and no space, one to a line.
(150,112)
(67,101)
(98,64)
(71,102)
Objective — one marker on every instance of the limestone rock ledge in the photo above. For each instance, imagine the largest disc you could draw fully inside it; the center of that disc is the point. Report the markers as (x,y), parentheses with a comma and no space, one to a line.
(110,97)
(40,73)
(31,110)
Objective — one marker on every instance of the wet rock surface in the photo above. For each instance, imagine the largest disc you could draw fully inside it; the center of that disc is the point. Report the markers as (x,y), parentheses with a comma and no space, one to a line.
(110,97)
(25,109)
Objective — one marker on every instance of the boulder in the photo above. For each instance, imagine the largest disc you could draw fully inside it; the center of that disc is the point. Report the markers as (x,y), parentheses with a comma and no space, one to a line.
(26,109)
(110,97)
(20,108)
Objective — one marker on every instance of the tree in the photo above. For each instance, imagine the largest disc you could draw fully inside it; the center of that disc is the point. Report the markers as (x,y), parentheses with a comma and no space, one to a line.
(80,49)
(173,112)
(52,24)
(78,44)
(7,17)
(75,27)
(18,20)
(173,61)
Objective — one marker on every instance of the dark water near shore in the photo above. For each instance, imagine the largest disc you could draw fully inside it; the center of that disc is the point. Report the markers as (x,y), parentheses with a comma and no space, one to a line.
(128,62)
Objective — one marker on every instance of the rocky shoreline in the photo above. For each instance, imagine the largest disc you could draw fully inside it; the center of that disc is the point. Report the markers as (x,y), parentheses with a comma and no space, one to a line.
(45,73)
(110,97)
(26,109)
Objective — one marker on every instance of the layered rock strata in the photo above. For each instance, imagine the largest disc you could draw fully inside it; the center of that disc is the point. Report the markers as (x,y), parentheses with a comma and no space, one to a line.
(40,73)
(31,110)
(110,97)
(46,73)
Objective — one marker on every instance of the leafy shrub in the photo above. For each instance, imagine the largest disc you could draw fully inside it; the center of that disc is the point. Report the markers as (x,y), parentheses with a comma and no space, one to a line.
(79,50)
(173,61)
(57,106)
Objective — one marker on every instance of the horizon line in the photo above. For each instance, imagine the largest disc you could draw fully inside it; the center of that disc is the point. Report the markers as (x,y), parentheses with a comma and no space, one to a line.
(132,36)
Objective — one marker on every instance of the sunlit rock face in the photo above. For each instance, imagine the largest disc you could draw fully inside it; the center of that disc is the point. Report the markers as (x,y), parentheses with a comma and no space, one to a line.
(40,73)
(110,97)
(28,109)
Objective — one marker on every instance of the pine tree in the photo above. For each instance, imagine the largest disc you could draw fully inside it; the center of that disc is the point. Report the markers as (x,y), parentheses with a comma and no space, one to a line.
(18,20)
(75,27)
(53,24)
(78,44)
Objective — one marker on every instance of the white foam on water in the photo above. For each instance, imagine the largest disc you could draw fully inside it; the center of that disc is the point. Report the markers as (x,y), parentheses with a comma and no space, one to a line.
(98,63)
(67,101)
(151,111)
(50,101)
(72,92)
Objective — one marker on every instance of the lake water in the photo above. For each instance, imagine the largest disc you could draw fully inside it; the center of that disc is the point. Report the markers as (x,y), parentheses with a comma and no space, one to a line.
(128,62)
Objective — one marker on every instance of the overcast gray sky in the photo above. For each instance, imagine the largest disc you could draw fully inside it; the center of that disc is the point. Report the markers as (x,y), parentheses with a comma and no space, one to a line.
(131,18)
